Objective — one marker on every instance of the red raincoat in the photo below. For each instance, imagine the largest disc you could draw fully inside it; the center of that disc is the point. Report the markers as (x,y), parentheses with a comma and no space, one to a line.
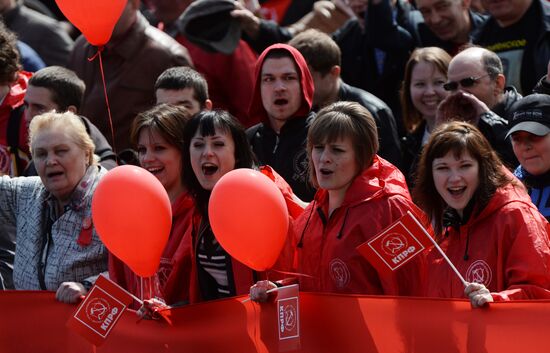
(326,246)
(505,247)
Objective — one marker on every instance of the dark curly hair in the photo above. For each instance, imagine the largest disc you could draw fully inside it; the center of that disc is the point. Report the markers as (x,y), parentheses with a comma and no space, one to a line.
(9,56)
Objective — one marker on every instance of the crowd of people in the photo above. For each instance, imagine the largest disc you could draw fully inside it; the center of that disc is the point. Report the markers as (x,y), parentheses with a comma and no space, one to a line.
(358,111)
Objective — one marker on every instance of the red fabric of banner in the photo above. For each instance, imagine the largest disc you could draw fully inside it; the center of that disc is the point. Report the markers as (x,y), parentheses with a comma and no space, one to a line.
(35,322)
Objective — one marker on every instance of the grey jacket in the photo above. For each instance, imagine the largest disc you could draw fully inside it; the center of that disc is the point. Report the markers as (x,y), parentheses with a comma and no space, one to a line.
(73,252)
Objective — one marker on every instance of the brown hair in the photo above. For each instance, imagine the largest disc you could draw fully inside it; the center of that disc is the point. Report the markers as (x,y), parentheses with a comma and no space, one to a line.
(65,87)
(320,51)
(432,55)
(168,120)
(457,137)
(344,119)
(9,56)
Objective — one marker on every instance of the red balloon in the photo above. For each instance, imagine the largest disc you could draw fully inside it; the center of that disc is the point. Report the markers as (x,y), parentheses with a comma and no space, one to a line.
(249,217)
(132,214)
(96,19)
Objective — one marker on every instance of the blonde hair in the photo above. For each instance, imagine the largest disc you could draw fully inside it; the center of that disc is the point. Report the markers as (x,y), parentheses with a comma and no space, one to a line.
(67,122)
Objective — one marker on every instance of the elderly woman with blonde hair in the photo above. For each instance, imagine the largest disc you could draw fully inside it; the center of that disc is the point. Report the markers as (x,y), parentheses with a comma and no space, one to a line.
(57,246)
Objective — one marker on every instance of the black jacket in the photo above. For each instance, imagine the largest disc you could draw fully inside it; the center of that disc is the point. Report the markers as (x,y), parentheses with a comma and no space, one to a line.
(424,37)
(385,121)
(285,152)
(502,109)
(360,52)
(495,128)
(412,148)
(542,86)
(540,49)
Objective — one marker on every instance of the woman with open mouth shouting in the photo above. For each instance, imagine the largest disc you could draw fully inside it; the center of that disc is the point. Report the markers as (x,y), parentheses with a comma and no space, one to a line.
(359,194)
(215,144)
(58,248)
(497,239)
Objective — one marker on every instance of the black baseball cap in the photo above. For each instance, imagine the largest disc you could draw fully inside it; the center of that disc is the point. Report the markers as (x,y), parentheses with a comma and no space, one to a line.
(532,114)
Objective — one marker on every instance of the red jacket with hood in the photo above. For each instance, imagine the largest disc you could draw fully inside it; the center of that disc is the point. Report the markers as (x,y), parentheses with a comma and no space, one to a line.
(306,83)
(505,246)
(175,263)
(326,246)
(284,151)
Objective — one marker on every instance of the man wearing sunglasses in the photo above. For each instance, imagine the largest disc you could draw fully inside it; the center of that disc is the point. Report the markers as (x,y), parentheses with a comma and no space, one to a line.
(479,95)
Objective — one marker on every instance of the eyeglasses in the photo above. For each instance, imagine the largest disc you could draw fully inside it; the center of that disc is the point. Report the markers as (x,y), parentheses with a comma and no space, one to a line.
(465,82)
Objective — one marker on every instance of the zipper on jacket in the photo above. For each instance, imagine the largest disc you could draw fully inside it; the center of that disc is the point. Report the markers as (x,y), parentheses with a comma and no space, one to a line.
(339,236)
(322,216)
(276,144)
(301,242)
(466,255)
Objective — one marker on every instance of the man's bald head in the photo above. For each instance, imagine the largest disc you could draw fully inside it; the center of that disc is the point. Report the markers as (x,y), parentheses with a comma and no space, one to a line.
(478,71)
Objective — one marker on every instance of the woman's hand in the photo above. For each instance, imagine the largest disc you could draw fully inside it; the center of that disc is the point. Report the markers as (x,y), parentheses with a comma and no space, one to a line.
(479,294)
(150,308)
(70,292)
(258,292)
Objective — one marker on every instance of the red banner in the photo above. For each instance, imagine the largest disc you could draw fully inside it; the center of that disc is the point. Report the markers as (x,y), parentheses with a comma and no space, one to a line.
(34,322)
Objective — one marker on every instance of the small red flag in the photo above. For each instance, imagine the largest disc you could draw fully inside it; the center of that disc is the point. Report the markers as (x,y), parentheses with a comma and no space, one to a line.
(397,244)
(99,312)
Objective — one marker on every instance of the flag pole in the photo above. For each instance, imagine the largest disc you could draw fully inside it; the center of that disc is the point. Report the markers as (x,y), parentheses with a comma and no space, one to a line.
(464,283)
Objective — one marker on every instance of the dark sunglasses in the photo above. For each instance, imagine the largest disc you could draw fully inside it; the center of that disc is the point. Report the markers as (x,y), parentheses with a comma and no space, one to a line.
(465,82)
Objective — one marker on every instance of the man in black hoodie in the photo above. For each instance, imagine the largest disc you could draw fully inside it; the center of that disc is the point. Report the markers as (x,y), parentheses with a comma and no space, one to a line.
(282,99)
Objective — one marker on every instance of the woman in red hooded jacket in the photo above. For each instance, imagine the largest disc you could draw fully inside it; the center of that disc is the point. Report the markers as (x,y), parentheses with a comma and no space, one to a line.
(359,195)
(486,222)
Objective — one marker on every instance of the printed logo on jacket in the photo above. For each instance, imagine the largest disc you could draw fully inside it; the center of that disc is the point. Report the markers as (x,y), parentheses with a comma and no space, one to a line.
(479,272)
(339,273)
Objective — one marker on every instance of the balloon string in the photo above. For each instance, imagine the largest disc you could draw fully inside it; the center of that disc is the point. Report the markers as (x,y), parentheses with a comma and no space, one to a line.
(99,50)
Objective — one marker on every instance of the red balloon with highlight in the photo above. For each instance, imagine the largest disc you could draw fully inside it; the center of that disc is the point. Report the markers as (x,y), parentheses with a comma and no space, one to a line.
(249,217)
(132,214)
